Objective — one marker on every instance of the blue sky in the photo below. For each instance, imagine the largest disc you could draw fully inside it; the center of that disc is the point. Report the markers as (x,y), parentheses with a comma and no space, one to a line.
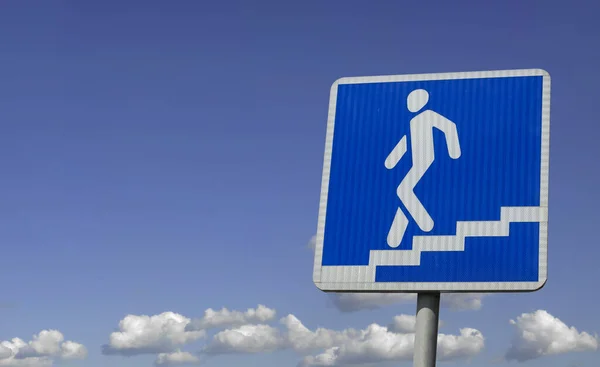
(167,156)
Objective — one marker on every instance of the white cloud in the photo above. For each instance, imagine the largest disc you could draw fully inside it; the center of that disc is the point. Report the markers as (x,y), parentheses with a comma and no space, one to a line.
(5,352)
(452,347)
(378,344)
(227,318)
(166,332)
(346,347)
(403,324)
(161,333)
(351,302)
(539,334)
(176,358)
(302,339)
(374,344)
(41,351)
(246,339)
(264,338)
(164,335)
(72,350)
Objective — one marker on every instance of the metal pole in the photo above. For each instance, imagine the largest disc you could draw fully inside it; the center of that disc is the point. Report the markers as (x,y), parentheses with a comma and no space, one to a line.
(426,332)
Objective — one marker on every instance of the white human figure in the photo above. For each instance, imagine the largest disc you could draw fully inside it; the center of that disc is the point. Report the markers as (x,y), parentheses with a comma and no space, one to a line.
(423,155)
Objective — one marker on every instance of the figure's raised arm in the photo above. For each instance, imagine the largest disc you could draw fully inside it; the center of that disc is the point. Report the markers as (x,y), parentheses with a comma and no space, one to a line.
(394,157)
(449,129)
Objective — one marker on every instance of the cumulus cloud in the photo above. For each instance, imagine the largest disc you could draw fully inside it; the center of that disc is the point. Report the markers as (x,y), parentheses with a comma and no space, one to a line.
(5,352)
(167,332)
(468,343)
(539,334)
(227,318)
(302,339)
(176,358)
(72,350)
(42,350)
(161,333)
(378,344)
(352,302)
(265,338)
(248,332)
(374,344)
(246,339)
(403,324)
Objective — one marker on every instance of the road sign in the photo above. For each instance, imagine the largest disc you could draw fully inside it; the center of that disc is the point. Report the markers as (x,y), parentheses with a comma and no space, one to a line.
(435,182)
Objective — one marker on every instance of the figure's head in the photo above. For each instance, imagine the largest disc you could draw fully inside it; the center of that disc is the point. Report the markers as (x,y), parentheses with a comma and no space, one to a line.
(417,99)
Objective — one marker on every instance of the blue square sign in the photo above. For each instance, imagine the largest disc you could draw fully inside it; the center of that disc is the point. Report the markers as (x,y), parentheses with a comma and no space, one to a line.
(435,182)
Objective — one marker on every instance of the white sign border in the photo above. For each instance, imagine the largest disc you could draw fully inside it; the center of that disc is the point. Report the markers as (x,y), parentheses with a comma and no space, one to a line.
(412,287)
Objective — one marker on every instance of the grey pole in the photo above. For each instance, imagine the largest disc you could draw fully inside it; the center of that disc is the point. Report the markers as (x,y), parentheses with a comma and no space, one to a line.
(426,332)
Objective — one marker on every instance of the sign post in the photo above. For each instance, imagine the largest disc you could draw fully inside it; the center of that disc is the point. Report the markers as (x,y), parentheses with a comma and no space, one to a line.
(426,330)
(435,183)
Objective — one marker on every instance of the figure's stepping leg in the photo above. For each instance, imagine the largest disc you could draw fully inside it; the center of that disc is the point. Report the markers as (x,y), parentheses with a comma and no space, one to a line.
(412,203)
(397,229)
(420,215)
(415,208)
